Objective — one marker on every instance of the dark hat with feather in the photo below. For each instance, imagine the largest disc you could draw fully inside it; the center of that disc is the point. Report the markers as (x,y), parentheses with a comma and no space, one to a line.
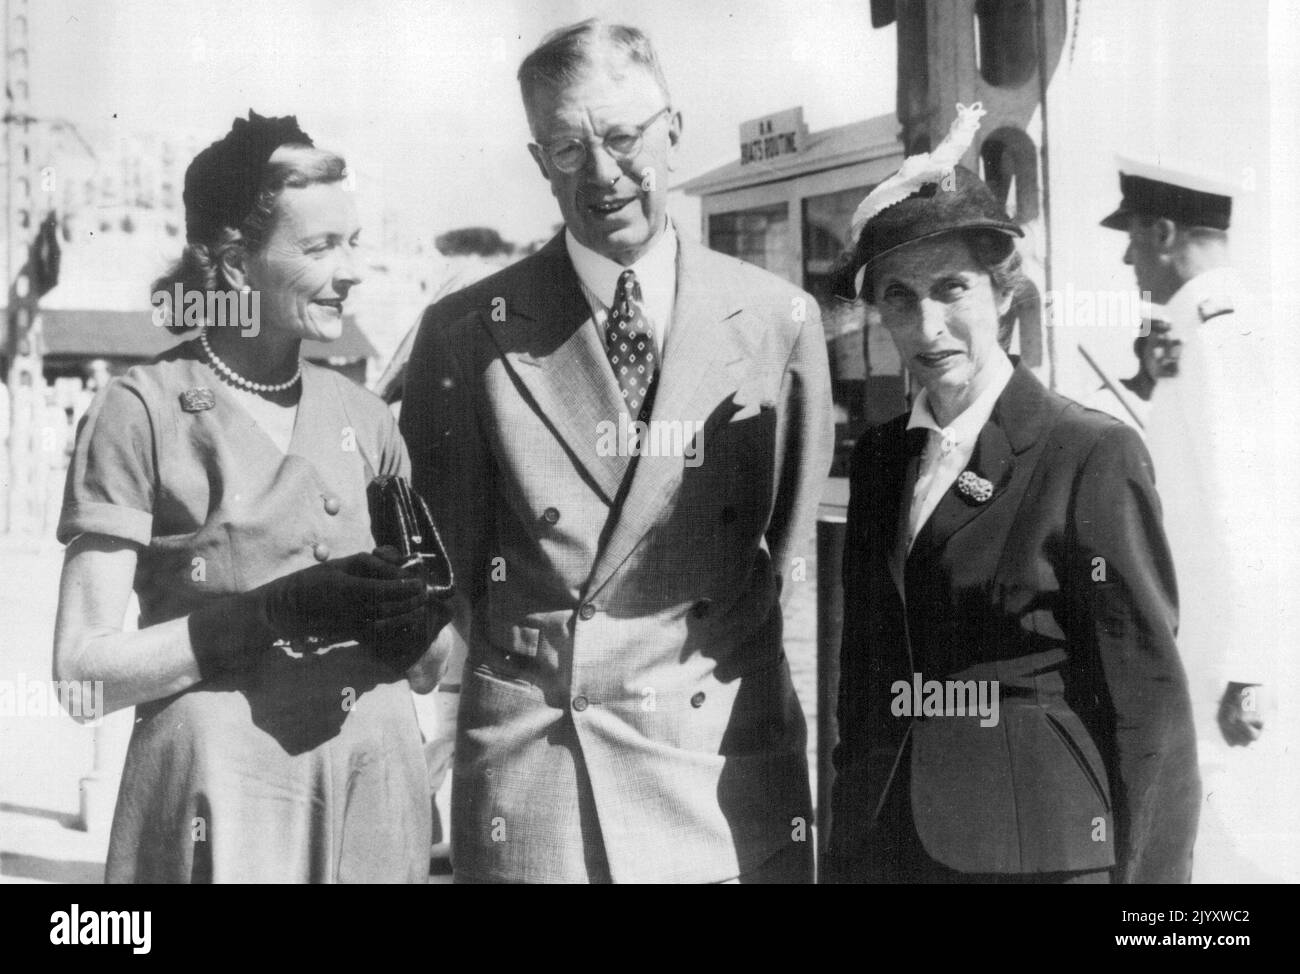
(931,194)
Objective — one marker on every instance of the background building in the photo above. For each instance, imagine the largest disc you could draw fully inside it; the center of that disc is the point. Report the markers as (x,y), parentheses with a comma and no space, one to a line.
(785,204)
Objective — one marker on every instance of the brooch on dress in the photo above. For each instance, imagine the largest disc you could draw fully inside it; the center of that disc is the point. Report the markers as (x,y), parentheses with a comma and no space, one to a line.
(974,486)
(197,400)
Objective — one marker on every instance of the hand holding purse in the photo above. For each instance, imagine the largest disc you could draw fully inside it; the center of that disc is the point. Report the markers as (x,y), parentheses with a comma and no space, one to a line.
(400,519)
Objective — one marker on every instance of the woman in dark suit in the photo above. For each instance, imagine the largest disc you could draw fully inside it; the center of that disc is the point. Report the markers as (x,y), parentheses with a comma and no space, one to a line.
(1012,705)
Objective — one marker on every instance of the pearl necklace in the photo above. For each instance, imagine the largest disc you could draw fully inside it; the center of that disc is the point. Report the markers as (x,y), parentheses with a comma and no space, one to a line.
(225,370)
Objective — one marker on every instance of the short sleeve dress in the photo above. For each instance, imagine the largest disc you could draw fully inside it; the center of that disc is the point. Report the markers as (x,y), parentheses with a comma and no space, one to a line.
(306,767)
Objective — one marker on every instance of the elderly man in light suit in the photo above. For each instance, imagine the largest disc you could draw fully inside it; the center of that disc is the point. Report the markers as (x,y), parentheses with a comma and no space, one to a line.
(624,438)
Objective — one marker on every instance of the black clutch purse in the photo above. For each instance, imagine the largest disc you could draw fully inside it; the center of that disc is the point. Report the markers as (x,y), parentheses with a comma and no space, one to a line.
(400,518)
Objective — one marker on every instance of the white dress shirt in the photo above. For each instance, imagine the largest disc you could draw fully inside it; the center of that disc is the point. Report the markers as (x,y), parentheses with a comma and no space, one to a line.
(948,448)
(656,272)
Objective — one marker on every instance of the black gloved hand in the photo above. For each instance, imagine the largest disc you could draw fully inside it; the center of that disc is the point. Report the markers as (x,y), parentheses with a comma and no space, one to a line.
(362,597)
(402,650)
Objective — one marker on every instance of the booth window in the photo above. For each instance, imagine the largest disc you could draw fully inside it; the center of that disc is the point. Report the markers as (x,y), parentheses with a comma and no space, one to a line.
(866,374)
(826,222)
(1005,41)
(759,236)
(1010,162)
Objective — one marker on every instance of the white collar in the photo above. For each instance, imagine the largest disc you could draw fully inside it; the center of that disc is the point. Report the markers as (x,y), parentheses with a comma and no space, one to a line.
(1221,284)
(656,270)
(966,427)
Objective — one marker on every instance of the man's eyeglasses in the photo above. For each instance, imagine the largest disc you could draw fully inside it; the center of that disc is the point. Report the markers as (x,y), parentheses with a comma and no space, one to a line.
(622,142)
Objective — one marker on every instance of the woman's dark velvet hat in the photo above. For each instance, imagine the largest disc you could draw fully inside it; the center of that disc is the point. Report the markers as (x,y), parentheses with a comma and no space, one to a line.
(221,183)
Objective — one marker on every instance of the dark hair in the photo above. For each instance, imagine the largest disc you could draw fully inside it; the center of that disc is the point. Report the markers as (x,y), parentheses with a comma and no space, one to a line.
(200,265)
(995,252)
(566,54)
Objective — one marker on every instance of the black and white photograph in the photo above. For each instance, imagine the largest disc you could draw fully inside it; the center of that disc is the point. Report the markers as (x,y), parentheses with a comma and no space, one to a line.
(587,441)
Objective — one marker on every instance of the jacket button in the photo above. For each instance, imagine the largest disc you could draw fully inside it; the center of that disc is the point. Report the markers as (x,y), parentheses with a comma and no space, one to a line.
(728,514)
(551,515)
(332,505)
(697,701)
(321,551)
(579,704)
(701,608)
(587,611)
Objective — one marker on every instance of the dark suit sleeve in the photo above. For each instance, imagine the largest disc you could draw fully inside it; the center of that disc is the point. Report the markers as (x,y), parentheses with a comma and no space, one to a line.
(805,440)
(840,863)
(449,457)
(1125,603)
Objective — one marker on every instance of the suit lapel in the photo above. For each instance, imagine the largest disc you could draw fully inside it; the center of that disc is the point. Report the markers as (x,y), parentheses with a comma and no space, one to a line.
(904,446)
(885,483)
(696,372)
(1013,427)
(889,481)
(555,352)
(993,460)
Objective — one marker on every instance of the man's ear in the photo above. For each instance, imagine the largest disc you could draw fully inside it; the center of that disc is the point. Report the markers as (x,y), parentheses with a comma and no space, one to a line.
(674,138)
(535,151)
(1163,233)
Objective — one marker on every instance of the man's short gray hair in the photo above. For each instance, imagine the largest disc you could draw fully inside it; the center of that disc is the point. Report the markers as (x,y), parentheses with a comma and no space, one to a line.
(565,55)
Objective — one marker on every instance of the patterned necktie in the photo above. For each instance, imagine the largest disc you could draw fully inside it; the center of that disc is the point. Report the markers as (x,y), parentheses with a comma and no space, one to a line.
(630,345)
